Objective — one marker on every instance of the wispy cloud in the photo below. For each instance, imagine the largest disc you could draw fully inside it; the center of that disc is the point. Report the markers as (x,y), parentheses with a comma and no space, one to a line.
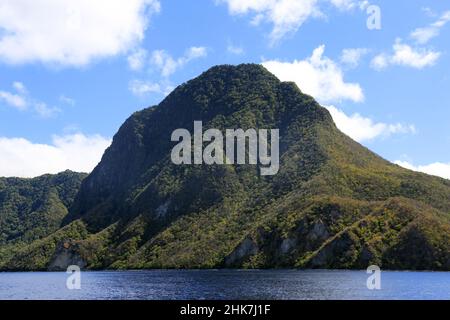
(416,56)
(137,59)
(19,87)
(13,99)
(237,50)
(167,65)
(21,100)
(142,88)
(425,34)
(351,57)
(162,62)
(45,111)
(67,100)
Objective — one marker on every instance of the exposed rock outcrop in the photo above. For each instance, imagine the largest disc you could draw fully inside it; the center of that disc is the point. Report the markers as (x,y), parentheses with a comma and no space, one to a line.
(66,254)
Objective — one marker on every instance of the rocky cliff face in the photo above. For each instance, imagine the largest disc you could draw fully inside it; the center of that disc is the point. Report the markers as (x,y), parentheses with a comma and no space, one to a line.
(67,254)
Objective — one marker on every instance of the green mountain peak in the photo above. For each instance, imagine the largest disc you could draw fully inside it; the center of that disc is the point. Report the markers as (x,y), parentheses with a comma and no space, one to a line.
(332,204)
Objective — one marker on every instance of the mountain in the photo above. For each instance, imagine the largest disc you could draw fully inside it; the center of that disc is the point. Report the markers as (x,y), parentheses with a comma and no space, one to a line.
(333,203)
(32,209)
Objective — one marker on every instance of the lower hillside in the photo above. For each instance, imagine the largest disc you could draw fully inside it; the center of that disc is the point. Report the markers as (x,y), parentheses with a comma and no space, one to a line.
(32,209)
(319,232)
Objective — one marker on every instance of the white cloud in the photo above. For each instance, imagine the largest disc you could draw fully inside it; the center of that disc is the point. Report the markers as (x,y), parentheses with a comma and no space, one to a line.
(67,100)
(195,52)
(405,55)
(416,58)
(344,4)
(380,61)
(363,5)
(286,16)
(16,100)
(21,158)
(21,100)
(362,129)
(43,110)
(19,87)
(136,60)
(70,32)
(318,76)
(353,56)
(429,12)
(139,87)
(436,169)
(13,100)
(237,50)
(167,65)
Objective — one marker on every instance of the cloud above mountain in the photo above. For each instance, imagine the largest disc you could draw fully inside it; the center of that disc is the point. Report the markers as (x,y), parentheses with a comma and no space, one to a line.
(436,169)
(363,129)
(317,76)
(78,152)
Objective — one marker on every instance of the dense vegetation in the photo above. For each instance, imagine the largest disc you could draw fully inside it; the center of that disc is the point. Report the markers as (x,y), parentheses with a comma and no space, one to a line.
(333,204)
(32,209)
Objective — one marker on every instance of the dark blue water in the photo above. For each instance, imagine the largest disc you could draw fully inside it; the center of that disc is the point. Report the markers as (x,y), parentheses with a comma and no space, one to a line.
(225,284)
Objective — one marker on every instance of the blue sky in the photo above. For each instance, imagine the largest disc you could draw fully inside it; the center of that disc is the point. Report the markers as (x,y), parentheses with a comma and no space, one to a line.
(72,71)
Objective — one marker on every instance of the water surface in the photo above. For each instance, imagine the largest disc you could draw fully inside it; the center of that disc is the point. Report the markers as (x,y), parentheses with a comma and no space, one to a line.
(225,284)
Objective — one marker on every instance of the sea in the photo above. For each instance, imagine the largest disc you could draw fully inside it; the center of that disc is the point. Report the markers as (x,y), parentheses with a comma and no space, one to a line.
(224,285)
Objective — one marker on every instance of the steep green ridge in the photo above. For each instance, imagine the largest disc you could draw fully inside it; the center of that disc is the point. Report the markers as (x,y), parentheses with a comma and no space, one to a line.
(32,209)
(333,203)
